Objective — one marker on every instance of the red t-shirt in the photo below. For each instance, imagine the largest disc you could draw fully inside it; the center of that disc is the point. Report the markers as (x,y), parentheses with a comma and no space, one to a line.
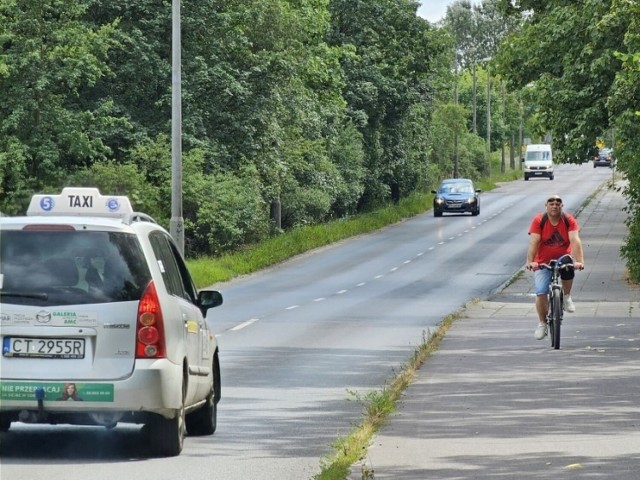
(554,240)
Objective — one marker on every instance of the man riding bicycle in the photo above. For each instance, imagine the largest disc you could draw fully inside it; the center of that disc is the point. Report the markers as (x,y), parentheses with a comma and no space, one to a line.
(552,235)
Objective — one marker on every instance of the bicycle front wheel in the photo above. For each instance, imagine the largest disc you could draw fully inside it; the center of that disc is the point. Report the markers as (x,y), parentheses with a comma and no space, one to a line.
(556,318)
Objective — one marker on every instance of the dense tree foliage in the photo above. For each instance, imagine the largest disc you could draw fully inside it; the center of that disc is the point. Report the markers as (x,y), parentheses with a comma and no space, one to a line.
(49,59)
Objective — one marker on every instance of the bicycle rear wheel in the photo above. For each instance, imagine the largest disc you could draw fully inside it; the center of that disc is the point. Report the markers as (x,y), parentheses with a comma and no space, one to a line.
(556,318)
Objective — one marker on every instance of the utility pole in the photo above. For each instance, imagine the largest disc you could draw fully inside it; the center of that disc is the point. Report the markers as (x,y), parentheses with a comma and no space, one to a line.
(455,127)
(489,115)
(520,139)
(474,92)
(503,166)
(176,224)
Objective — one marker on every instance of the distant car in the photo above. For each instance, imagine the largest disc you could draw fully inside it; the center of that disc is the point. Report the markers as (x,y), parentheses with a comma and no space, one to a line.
(538,161)
(102,323)
(456,195)
(604,158)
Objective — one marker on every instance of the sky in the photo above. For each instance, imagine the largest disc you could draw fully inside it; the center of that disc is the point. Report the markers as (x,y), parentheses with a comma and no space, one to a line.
(433,10)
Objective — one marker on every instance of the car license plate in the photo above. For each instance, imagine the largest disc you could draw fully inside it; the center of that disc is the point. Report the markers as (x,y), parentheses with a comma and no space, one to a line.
(32,347)
(455,205)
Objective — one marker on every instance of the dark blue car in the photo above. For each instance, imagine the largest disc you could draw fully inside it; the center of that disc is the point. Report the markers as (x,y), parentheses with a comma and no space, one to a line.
(456,195)
(604,158)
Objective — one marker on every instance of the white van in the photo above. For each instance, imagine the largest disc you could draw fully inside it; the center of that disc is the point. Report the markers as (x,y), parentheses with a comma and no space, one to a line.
(538,161)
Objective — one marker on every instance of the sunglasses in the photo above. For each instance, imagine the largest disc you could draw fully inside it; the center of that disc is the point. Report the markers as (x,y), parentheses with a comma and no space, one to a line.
(554,200)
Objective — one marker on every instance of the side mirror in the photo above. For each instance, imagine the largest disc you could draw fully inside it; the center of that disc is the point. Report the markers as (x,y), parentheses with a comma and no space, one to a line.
(208,299)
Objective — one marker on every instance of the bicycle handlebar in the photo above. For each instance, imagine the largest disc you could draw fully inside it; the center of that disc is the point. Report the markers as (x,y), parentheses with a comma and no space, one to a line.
(558,261)
(562,266)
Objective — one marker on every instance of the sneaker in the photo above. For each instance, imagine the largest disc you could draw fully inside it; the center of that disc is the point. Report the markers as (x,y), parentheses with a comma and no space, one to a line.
(568,304)
(541,331)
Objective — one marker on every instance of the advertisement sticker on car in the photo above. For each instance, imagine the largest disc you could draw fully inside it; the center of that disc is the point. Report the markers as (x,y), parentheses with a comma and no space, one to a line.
(56,318)
(57,391)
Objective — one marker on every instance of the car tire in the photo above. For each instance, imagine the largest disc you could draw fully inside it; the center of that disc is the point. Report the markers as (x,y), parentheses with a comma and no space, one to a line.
(551,177)
(476,212)
(594,165)
(437,213)
(205,420)
(526,178)
(167,435)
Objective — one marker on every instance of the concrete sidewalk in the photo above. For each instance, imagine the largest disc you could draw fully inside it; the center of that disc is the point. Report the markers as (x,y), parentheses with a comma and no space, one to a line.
(494,403)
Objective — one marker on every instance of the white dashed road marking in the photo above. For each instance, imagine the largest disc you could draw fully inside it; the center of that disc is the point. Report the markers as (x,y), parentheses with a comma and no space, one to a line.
(244,324)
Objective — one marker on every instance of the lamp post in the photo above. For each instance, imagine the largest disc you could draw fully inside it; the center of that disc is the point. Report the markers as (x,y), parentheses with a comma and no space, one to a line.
(176,224)
(503,167)
(488,59)
(456,162)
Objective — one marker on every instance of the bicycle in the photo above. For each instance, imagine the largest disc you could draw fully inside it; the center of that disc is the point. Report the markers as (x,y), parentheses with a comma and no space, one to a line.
(556,298)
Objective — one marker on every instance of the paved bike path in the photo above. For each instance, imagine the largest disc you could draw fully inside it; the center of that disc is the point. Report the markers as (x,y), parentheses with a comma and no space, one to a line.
(494,403)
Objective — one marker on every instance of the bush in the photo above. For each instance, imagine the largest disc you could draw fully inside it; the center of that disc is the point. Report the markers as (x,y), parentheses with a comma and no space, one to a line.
(228,213)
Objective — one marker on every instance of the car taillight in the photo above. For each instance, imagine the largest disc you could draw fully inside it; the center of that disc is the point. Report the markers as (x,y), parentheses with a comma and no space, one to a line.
(150,340)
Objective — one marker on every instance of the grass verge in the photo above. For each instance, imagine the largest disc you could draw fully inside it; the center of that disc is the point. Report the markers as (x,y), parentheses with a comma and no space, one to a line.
(377,406)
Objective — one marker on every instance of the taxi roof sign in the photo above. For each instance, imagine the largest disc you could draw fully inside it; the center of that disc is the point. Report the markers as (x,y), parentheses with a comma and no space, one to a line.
(80,201)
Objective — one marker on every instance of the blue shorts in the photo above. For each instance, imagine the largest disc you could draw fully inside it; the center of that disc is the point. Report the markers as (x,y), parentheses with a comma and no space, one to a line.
(542,279)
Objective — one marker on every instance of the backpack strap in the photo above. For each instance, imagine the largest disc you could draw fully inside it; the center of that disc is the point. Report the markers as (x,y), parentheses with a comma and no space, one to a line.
(545,218)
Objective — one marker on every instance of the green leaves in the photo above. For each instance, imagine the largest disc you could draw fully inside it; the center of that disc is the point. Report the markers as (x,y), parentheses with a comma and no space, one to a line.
(49,56)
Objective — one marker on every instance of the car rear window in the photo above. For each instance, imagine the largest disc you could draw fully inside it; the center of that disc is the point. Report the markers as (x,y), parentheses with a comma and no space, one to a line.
(40,267)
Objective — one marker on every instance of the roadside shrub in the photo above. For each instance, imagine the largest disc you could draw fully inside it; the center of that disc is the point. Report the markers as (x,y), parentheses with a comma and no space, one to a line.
(230,213)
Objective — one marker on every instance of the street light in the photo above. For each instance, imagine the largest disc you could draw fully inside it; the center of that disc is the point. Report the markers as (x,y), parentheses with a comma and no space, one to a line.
(176,224)
(487,60)
(503,166)
(456,161)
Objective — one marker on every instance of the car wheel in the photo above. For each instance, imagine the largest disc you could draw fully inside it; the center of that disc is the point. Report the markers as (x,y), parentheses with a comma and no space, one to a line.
(437,213)
(476,212)
(594,165)
(167,435)
(204,420)
(526,178)
(551,177)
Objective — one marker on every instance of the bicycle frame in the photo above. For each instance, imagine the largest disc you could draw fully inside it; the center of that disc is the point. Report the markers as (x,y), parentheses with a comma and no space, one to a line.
(555,297)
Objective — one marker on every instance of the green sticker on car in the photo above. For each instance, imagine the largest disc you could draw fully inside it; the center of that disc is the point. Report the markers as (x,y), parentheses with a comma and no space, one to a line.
(57,391)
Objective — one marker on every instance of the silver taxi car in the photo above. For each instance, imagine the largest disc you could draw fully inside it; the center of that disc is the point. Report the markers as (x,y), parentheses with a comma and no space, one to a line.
(101,322)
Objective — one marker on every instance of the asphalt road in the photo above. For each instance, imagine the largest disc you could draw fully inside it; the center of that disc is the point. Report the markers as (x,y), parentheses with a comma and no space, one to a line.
(298,338)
